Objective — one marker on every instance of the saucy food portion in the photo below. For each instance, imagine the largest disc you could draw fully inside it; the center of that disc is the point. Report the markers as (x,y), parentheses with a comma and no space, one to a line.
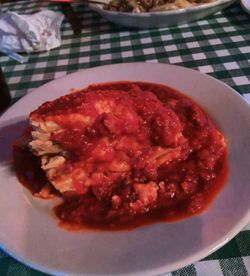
(141,6)
(123,154)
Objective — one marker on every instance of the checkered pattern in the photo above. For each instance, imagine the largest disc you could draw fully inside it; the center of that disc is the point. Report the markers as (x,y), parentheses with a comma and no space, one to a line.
(217,45)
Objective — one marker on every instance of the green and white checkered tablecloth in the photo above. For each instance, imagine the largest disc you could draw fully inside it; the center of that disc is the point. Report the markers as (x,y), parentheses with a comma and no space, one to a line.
(218,45)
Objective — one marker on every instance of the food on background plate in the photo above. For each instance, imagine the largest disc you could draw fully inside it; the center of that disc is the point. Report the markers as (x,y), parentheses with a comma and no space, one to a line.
(141,6)
(124,154)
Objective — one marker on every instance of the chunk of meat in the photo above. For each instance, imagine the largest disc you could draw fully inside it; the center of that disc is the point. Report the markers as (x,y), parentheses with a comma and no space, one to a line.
(146,197)
(147,192)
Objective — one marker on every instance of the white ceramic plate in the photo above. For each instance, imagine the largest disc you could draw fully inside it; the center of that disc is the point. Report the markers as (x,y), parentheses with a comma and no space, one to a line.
(30,233)
(161,19)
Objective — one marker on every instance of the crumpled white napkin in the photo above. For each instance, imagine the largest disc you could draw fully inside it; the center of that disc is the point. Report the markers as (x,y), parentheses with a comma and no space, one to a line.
(30,33)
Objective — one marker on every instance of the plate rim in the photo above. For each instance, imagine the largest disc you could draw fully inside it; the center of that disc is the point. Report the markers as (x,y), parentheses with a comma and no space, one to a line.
(178,67)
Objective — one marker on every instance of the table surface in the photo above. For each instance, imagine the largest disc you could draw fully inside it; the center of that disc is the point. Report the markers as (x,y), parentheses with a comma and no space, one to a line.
(218,45)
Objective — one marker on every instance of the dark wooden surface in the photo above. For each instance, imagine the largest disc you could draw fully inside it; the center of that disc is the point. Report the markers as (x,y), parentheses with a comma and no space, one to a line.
(71,16)
(5,98)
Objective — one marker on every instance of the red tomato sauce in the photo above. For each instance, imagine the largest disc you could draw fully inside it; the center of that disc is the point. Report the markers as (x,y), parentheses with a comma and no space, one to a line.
(175,188)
